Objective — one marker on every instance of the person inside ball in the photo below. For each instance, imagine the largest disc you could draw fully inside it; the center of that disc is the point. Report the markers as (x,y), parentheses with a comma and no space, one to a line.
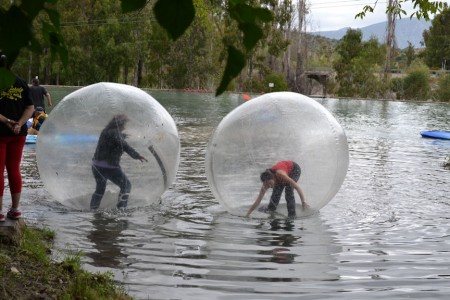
(38,120)
(281,176)
(106,161)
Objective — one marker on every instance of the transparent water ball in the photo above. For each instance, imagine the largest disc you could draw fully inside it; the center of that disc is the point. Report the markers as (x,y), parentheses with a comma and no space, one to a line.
(69,136)
(270,128)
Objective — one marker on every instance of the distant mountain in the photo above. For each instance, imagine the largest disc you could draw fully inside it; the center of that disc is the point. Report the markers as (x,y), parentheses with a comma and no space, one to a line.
(406,29)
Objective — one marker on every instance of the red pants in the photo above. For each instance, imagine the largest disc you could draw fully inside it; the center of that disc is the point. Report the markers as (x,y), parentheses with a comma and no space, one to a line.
(11,148)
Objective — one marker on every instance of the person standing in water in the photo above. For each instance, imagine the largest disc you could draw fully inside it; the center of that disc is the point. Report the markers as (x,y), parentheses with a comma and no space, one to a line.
(106,161)
(281,176)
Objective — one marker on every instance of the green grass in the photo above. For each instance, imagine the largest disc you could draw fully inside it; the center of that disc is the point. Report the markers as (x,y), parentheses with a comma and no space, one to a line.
(27,272)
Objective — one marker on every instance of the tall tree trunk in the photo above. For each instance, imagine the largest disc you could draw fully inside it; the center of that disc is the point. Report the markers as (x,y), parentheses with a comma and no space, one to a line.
(125,74)
(390,39)
(30,63)
(47,66)
(139,72)
(287,55)
(250,75)
(300,78)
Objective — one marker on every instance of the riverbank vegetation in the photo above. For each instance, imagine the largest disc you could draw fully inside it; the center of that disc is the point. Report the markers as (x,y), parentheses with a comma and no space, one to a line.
(28,272)
(104,44)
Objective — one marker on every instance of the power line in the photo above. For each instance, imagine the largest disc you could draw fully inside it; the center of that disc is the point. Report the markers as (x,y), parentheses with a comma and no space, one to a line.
(325,5)
(96,22)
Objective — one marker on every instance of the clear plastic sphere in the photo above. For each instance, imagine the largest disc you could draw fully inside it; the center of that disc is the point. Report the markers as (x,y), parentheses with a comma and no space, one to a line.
(68,139)
(271,128)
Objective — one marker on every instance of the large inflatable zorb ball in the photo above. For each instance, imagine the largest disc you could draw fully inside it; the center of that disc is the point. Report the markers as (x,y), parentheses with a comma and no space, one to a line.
(271,128)
(69,136)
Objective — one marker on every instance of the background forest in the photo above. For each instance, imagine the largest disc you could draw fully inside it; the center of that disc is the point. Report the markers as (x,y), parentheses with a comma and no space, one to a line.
(105,44)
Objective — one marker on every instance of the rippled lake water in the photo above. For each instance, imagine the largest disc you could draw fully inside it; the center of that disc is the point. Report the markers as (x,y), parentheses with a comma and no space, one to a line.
(385,235)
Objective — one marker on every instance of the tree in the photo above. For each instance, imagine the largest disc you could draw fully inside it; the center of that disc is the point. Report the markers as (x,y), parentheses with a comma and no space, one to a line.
(175,16)
(416,84)
(443,90)
(410,54)
(300,78)
(390,38)
(356,65)
(423,9)
(437,42)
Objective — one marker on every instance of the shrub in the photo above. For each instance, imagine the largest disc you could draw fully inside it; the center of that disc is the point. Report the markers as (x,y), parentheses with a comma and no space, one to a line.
(278,80)
(396,86)
(443,90)
(416,84)
(253,86)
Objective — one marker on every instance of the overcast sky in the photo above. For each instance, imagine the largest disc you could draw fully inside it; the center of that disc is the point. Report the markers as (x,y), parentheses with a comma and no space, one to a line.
(328,15)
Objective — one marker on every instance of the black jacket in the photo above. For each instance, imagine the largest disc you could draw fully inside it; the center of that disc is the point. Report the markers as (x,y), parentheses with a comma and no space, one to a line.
(111,145)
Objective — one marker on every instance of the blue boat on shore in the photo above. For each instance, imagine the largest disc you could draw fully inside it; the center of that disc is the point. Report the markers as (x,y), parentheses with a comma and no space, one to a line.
(436,134)
(31,139)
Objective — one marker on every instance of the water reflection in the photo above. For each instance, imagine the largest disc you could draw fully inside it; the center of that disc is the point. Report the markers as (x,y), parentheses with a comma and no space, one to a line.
(384,235)
(106,236)
(275,250)
(280,253)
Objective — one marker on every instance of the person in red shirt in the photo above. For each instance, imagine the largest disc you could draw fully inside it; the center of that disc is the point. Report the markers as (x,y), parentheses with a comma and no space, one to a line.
(281,176)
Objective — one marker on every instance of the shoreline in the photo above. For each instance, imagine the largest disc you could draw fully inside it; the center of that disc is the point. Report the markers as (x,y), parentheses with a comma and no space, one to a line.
(252,93)
(28,272)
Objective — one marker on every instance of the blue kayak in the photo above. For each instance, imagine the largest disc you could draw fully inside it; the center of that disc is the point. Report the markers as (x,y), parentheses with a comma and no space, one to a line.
(436,134)
(31,139)
(66,139)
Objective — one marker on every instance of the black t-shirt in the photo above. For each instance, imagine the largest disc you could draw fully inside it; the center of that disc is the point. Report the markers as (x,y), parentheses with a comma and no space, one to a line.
(37,93)
(13,102)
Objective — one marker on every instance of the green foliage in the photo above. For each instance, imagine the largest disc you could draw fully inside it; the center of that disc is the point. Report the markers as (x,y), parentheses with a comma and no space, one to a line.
(425,8)
(132,5)
(416,84)
(86,285)
(410,54)
(16,32)
(193,68)
(396,86)
(253,85)
(437,42)
(279,83)
(443,90)
(36,243)
(173,15)
(354,64)
(114,40)
(248,19)
(39,277)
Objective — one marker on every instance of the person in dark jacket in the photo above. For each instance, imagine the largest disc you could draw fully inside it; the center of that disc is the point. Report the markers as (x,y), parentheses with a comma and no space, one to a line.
(106,161)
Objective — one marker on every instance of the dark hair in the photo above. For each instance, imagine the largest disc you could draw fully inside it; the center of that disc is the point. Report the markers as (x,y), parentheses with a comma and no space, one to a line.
(35,81)
(268,174)
(118,121)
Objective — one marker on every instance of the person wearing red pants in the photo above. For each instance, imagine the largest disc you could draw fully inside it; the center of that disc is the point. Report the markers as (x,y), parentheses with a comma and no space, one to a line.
(16,107)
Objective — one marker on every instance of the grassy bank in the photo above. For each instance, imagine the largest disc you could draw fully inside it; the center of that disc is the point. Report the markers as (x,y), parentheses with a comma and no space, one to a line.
(27,272)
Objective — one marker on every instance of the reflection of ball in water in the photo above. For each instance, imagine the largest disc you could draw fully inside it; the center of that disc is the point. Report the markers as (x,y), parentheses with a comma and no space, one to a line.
(68,139)
(265,130)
